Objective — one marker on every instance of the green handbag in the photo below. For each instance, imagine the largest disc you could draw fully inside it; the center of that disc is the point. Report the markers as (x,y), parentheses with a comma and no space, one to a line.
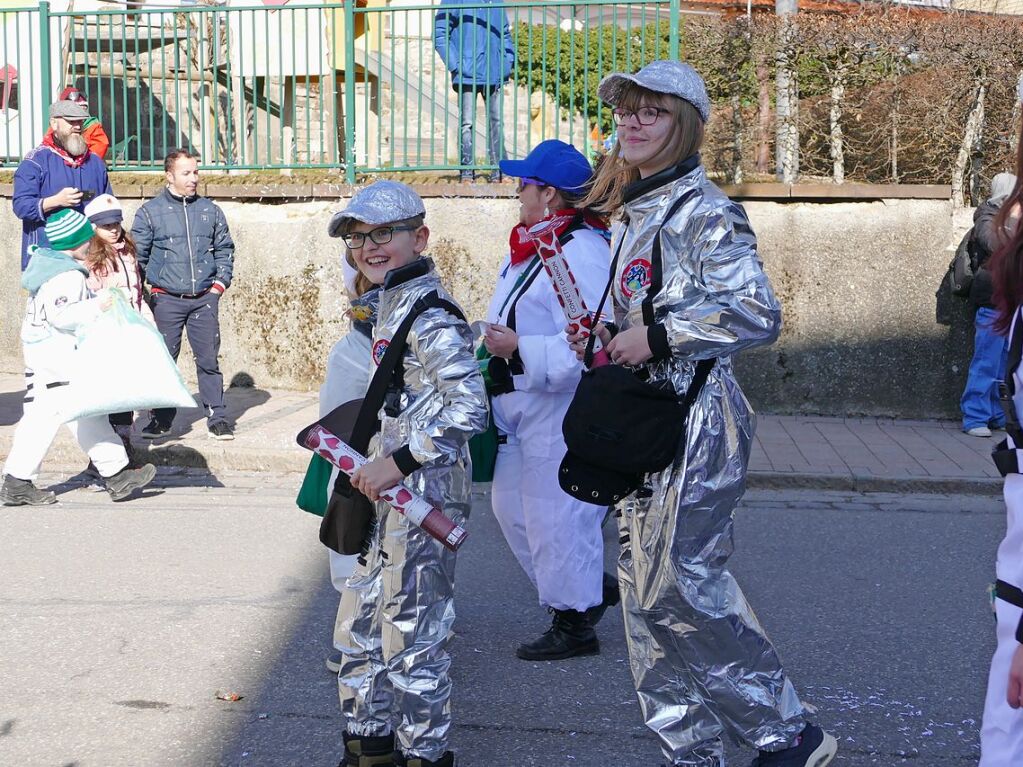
(312,496)
(483,451)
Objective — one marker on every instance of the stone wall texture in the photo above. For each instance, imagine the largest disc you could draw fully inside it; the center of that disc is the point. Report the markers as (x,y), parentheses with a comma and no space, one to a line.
(856,281)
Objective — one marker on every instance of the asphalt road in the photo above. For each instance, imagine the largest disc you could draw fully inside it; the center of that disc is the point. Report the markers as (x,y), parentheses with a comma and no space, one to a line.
(121,622)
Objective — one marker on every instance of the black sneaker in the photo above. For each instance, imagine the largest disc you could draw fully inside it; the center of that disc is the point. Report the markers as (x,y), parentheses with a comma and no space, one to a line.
(368,751)
(813,748)
(571,634)
(127,481)
(220,430)
(155,429)
(21,492)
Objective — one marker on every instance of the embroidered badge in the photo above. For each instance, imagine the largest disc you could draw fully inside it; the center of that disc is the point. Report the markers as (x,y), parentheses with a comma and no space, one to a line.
(60,301)
(379,349)
(635,276)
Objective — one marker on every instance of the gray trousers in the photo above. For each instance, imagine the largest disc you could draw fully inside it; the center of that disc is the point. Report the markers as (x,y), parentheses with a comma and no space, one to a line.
(492,100)
(202,318)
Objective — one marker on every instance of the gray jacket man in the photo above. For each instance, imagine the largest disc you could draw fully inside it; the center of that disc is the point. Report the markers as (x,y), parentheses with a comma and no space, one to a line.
(186,253)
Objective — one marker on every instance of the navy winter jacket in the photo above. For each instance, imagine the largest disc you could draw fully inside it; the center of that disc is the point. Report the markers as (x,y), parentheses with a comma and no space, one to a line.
(475,44)
(183,244)
(43,173)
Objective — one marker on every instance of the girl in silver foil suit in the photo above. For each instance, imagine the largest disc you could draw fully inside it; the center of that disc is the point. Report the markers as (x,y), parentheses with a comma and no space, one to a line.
(1001,732)
(701,662)
(397,607)
(556,539)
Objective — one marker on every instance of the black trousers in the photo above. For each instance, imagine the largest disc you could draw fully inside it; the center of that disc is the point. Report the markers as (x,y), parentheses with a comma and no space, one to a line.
(201,316)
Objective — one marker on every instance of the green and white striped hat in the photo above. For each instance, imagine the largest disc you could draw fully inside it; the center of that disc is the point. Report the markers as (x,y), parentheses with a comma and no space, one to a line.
(67,229)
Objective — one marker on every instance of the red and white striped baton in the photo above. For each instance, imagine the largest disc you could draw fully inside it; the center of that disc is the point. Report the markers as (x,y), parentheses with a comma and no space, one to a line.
(548,247)
(400,498)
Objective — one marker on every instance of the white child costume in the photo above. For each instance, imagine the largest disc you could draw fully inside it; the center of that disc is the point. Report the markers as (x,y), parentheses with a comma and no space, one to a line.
(556,539)
(59,304)
(398,605)
(346,380)
(1001,734)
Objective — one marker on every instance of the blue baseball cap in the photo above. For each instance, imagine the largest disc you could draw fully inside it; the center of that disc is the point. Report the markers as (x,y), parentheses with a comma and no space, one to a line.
(555,163)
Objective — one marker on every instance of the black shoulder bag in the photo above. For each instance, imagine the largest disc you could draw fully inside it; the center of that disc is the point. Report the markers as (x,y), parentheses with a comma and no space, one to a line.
(348,521)
(619,428)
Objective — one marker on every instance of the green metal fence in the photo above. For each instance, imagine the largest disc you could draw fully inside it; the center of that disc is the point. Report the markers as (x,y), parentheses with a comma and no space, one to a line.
(357,86)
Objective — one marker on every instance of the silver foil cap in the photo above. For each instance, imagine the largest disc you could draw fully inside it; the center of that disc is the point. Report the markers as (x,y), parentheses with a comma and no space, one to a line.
(664,76)
(382,202)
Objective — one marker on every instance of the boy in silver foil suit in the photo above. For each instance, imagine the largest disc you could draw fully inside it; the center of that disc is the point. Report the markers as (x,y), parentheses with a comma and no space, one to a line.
(398,606)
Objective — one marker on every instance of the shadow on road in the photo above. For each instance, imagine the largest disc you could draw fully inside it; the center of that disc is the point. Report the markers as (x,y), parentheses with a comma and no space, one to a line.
(507,712)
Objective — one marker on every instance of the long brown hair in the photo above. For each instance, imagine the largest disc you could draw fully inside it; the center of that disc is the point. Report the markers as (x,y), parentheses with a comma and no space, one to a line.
(103,257)
(607,189)
(1007,260)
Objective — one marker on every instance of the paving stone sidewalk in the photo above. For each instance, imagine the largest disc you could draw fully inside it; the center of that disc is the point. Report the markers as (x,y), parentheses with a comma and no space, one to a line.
(862,454)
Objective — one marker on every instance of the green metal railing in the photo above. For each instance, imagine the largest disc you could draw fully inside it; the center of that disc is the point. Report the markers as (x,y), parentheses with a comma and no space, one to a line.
(357,86)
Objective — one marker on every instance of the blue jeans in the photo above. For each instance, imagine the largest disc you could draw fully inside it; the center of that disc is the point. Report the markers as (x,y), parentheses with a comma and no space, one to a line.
(980,403)
(492,100)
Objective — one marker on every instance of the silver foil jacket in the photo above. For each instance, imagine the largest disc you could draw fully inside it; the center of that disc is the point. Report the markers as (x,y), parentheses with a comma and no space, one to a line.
(702,664)
(398,605)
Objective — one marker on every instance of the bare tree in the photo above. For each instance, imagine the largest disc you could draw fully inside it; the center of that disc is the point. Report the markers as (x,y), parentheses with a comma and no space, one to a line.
(786,94)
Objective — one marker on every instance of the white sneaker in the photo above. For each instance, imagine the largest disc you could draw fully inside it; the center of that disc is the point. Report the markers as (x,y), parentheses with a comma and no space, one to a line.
(978,431)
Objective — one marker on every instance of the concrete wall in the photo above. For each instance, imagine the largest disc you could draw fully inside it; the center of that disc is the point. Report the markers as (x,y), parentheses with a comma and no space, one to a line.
(856,281)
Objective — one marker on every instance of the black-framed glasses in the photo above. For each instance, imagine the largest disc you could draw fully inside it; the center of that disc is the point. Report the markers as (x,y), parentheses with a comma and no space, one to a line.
(645,115)
(381,235)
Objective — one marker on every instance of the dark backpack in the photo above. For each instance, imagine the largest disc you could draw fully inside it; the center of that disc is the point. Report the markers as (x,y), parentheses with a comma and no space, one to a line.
(956,282)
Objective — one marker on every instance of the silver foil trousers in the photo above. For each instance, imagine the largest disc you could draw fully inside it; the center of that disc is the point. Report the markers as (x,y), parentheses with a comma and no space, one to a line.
(398,613)
(700,660)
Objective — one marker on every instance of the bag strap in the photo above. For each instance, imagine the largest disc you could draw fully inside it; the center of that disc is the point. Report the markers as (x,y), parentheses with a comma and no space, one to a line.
(656,273)
(510,319)
(518,283)
(657,263)
(367,423)
(588,354)
(703,368)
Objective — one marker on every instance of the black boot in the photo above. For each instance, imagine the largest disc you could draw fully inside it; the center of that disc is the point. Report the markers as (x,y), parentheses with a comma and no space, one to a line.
(570,634)
(400,760)
(21,492)
(611,596)
(127,481)
(368,751)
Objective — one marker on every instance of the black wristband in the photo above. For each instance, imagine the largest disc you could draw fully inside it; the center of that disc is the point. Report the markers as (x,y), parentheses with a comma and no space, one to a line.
(404,461)
(657,338)
(1019,630)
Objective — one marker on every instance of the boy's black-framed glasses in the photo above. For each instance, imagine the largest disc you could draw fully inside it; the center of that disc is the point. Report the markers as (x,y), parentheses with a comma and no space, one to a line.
(645,115)
(381,235)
